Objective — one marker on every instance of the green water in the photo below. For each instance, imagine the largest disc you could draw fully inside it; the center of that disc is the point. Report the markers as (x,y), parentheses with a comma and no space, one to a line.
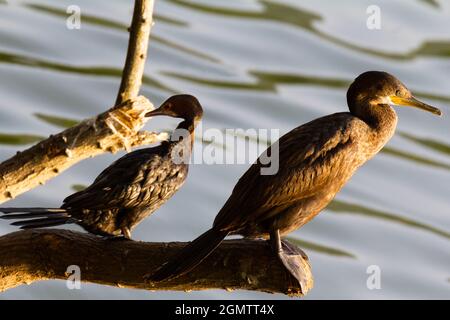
(252,64)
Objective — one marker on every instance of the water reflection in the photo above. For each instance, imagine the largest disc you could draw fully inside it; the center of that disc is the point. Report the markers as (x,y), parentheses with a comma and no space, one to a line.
(306,245)
(414,158)
(428,143)
(10,58)
(102,21)
(283,13)
(78,187)
(432,3)
(266,81)
(270,11)
(88,70)
(339,206)
(56,121)
(122,27)
(19,139)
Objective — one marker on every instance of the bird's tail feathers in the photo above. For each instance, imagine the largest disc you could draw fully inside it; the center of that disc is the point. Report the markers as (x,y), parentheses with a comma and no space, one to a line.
(28,217)
(190,256)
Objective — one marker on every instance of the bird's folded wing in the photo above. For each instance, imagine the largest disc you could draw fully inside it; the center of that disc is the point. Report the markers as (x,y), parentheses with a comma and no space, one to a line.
(310,157)
(121,183)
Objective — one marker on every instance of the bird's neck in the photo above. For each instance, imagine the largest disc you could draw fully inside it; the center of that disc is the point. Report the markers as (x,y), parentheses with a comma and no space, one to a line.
(183,136)
(188,125)
(382,120)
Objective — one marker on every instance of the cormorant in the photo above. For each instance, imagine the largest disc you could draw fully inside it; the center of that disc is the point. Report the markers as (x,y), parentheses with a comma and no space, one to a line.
(131,188)
(316,159)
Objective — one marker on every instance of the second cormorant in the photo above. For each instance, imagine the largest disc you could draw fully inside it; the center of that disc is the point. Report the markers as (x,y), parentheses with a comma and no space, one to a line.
(132,187)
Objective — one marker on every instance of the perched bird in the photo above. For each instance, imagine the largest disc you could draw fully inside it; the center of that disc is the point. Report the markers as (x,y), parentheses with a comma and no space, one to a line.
(316,159)
(132,187)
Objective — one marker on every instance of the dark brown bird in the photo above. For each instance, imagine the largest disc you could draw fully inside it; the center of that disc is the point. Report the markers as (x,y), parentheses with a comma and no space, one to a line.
(131,188)
(315,161)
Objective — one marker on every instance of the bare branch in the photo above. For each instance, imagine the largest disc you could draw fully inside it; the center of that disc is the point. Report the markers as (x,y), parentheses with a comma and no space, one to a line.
(137,50)
(235,264)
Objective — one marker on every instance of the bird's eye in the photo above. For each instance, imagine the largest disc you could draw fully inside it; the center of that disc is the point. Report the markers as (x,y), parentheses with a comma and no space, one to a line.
(398,93)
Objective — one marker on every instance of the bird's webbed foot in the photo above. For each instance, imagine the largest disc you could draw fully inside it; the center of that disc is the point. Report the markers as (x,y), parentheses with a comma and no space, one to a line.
(290,256)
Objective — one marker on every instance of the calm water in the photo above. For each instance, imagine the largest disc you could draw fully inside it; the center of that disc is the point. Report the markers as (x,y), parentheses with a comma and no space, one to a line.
(252,64)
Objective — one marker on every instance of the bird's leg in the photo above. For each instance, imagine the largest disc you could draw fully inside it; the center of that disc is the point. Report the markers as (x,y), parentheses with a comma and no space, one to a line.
(288,254)
(275,242)
(126,233)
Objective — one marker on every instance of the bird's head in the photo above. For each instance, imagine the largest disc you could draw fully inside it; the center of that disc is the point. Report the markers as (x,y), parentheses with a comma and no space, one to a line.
(376,89)
(182,106)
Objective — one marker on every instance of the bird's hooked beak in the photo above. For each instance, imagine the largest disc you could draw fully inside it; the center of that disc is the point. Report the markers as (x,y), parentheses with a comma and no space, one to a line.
(413,102)
(161,111)
(155,112)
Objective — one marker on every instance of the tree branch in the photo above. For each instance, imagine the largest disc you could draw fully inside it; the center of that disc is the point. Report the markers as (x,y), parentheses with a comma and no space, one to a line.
(236,264)
(112,130)
(137,50)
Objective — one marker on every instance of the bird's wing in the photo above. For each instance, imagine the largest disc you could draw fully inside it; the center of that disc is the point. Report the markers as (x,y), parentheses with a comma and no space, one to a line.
(311,156)
(124,182)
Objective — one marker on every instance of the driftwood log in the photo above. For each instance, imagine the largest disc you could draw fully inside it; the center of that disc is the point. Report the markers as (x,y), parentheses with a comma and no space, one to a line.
(236,264)
(32,255)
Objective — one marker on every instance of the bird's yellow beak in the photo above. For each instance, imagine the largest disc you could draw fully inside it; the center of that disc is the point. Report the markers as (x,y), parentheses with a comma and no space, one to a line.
(413,102)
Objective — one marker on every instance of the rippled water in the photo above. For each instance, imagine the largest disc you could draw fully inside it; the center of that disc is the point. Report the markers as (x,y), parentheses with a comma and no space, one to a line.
(252,64)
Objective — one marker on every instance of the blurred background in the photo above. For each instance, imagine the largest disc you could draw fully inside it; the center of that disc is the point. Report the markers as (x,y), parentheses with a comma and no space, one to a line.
(252,64)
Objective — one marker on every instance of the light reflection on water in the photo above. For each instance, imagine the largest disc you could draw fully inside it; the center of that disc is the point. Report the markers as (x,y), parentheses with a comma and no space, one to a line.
(252,64)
